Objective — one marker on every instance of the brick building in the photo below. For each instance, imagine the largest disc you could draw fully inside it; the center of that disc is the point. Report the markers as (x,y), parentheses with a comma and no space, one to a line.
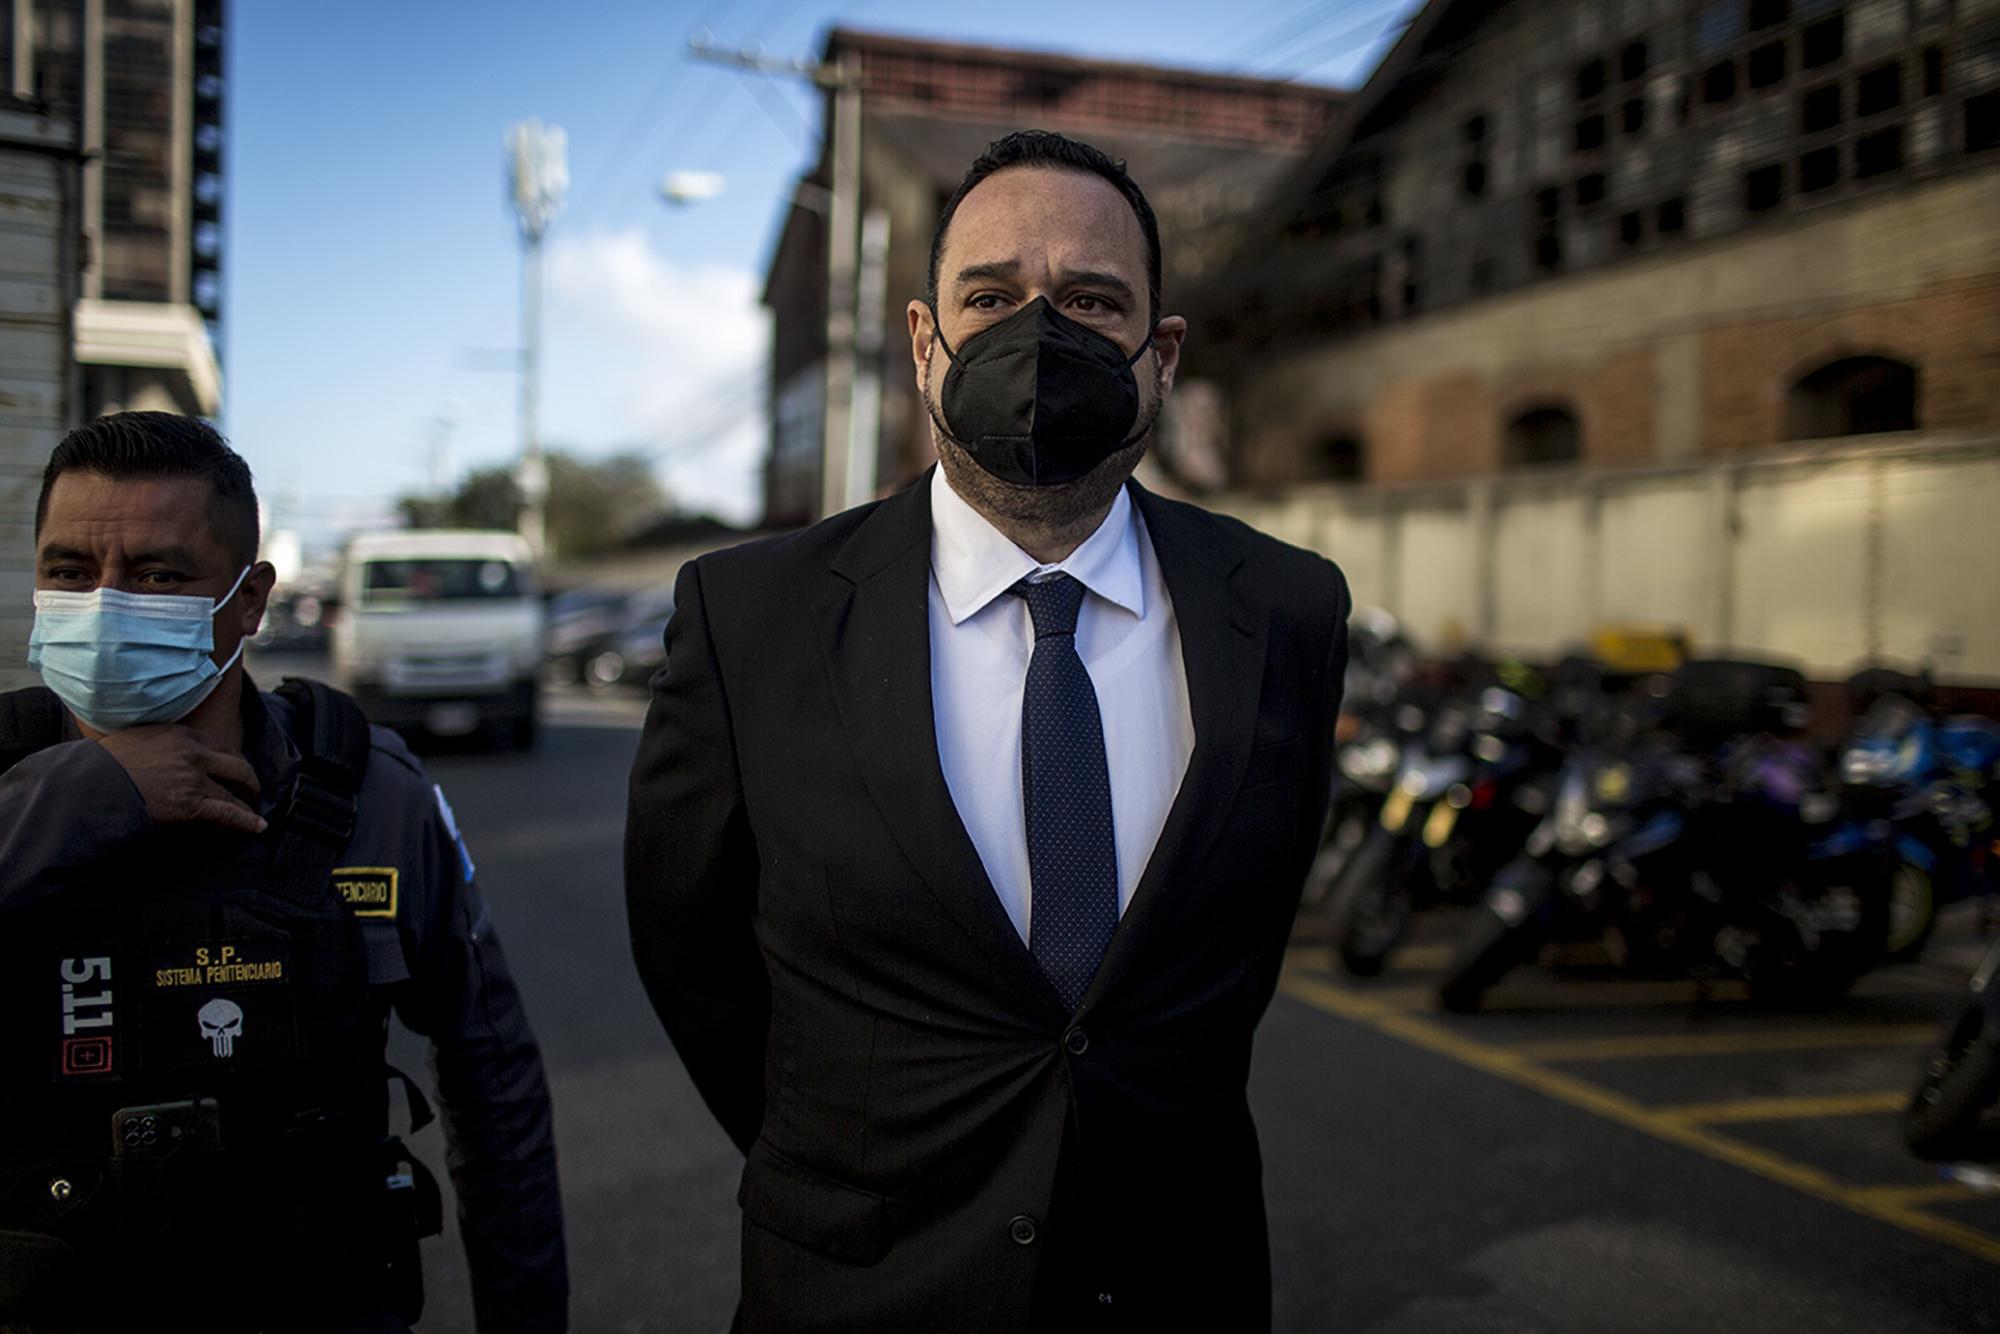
(904,119)
(1628,234)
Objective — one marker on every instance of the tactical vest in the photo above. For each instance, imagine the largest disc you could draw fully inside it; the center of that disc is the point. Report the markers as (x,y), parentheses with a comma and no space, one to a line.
(194,1100)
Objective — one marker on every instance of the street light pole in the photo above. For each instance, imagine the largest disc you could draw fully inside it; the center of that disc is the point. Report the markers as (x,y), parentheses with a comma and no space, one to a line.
(538,179)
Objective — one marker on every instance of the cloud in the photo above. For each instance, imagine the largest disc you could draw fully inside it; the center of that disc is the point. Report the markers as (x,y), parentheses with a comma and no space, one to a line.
(644,353)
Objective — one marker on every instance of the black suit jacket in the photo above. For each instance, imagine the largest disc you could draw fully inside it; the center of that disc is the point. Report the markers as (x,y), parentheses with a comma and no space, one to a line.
(935,1145)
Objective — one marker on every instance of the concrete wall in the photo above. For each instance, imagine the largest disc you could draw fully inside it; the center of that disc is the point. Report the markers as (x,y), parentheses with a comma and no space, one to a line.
(1680,355)
(1831,554)
(37,289)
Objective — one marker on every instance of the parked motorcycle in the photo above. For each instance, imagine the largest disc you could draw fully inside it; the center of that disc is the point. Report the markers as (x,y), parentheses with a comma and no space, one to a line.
(1934,782)
(1462,802)
(1952,1113)
(1711,844)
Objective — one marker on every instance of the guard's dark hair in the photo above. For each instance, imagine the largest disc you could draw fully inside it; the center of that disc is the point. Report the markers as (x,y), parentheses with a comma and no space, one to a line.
(130,445)
(1046,148)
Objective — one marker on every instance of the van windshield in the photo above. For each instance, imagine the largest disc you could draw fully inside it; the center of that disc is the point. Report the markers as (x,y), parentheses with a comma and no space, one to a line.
(393,583)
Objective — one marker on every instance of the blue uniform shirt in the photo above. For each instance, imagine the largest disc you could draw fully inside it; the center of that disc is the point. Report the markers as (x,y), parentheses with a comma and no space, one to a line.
(433,956)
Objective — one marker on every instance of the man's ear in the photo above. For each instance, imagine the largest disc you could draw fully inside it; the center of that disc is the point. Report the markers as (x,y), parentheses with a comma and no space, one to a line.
(1167,337)
(923,337)
(255,596)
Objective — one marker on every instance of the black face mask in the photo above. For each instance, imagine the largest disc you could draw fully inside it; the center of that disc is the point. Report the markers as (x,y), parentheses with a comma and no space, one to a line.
(1038,399)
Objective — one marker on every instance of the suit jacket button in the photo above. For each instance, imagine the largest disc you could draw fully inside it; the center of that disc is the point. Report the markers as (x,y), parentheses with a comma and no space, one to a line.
(1021,1230)
(1076,1042)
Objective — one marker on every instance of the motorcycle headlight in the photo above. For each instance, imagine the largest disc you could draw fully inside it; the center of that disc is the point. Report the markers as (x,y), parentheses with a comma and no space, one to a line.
(1595,829)
(1368,762)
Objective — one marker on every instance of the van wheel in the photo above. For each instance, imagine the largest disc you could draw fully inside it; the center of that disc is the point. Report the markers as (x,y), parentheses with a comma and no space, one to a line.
(521,732)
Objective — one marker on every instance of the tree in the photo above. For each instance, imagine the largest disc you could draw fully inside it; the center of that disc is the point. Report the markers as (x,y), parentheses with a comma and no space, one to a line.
(593,504)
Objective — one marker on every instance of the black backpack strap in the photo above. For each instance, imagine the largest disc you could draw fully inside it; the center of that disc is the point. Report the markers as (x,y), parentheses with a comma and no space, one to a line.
(30,720)
(318,817)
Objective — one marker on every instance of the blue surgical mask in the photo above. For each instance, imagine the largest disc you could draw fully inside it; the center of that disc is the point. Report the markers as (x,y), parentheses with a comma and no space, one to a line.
(122,660)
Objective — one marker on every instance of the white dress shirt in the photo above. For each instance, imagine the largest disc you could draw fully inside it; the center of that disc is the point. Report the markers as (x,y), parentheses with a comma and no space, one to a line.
(981,639)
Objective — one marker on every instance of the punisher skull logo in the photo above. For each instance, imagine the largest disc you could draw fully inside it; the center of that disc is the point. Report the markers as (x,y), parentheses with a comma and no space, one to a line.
(221,1023)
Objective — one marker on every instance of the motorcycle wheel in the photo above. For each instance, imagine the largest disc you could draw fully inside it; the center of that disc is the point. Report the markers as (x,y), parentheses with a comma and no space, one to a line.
(1350,831)
(1785,974)
(1495,944)
(1370,908)
(1959,1087)
(1912,913)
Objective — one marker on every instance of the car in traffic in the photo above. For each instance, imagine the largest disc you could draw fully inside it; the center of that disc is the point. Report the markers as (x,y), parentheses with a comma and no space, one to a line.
(441,630)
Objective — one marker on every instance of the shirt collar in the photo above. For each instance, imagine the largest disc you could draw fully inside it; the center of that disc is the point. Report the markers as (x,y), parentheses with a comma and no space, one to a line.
(974,562)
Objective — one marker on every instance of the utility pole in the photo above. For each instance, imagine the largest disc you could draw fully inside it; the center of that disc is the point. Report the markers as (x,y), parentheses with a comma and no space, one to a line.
(864,438)
(538,178)
(856,271)
(843,238)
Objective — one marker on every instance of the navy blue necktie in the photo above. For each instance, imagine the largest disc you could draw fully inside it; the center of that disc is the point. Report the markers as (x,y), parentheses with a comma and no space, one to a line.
(1066,792)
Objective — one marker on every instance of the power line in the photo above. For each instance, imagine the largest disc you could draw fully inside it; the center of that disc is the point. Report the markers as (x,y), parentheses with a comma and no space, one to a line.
(1284,31)
(797,128)
(1311,59)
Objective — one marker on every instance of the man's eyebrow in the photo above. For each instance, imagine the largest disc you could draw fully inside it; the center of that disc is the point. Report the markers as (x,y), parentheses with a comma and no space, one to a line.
(1096,278)
(167,555)
(998,268)
(54,552)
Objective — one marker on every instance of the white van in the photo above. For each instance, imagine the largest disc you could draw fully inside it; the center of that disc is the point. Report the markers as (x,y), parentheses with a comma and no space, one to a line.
(441,629)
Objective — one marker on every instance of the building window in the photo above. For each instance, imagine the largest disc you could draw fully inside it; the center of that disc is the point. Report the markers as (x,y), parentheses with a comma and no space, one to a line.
(1878,89)
(1763,188)
(1342,458)
(1768,13)
(1590,134)
(1590,190)
(1632,62)
(1820,109)
(1879,152)
(1718,85)
(1543,436)
(1671,220)
(1982,123)
(1631,228)
(1824,42)
(1767,65)
(1720,24)
(1819,169)
(1853,396)
(1589,80)
(1933,71)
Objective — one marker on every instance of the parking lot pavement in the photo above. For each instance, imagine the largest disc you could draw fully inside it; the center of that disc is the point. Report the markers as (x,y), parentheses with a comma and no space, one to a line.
(1809,1100)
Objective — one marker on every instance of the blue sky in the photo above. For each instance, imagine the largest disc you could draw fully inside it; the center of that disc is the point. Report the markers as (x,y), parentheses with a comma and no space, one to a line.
(372,263)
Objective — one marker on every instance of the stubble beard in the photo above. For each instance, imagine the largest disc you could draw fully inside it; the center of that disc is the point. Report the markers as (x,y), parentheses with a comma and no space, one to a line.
(1062,514)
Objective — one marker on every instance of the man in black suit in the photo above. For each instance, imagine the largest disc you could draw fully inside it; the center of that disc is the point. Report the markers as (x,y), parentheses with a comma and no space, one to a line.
(968,826)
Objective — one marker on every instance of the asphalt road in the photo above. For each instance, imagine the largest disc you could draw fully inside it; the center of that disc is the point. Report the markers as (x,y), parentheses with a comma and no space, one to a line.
(1595,1154)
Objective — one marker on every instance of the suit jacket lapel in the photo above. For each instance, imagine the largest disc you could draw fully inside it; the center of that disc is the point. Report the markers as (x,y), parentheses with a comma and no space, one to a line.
(1222,648)
(875,631)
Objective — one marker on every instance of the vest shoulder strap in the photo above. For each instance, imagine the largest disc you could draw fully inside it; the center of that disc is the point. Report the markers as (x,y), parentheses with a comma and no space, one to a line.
(318,817)
(30,720)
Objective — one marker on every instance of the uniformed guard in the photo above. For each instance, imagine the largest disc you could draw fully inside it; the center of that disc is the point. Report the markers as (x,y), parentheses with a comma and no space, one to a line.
(210,900)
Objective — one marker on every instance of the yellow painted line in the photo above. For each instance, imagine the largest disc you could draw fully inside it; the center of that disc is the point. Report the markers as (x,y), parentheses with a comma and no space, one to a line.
(1895,1197)
(1606,992)
(1516,1069)
(1810,1108)
(1905,984)
(1420,958)
(1724,1044)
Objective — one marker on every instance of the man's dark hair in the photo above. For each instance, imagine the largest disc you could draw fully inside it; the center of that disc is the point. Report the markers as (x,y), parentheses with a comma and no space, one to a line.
(129,445)
(1046,148)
